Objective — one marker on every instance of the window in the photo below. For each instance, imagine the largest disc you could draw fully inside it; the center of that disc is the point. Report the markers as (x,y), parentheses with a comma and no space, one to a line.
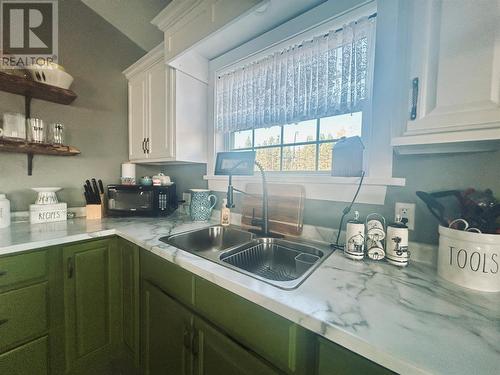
(247,100)
(302,146)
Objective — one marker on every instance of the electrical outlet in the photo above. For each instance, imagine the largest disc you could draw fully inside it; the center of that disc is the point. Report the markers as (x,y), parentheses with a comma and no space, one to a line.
(406,210)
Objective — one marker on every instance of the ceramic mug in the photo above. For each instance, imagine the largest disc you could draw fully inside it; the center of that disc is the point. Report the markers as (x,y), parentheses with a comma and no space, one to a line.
(201,204)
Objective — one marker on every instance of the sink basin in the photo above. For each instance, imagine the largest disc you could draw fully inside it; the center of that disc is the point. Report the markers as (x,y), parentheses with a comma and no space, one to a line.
(211,239)
(280,262)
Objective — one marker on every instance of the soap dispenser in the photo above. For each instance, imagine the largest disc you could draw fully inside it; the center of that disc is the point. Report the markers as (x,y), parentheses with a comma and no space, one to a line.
(225,214)
(4,211)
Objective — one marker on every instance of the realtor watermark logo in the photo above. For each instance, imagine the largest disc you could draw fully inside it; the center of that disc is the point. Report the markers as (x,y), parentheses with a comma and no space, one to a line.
(29,33)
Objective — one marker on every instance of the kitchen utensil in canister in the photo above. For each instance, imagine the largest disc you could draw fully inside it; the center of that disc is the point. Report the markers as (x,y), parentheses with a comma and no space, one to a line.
(354,247)
(201,204)
(397,243)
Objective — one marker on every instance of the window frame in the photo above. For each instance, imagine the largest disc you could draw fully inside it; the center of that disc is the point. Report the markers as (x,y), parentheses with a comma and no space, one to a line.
(378,155)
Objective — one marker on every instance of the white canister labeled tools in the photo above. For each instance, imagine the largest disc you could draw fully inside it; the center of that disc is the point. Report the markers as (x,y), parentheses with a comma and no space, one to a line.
(471,260)
(397,243)
(354,247)
(4,211)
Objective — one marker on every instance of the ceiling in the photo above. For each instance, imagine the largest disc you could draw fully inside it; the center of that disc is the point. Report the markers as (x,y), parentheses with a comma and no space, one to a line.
(269,15)
(132,18)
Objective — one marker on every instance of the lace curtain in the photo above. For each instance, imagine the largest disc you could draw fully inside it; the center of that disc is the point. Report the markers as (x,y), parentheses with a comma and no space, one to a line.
(326,76)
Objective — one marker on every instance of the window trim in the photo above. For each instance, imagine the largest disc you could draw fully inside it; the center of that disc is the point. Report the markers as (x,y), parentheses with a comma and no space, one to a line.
(378,151)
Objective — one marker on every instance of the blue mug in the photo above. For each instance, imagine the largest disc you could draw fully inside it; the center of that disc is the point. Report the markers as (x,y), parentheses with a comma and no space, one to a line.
(201,204)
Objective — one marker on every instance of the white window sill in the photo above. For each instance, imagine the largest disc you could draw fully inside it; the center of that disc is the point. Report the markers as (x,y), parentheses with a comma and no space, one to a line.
(321,187)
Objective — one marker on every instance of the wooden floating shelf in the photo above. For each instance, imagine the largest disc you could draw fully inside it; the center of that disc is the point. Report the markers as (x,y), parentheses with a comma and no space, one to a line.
(32,89)
(19,146)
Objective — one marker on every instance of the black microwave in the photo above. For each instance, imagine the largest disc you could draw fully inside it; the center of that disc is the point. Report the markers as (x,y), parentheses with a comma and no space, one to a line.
(140,200)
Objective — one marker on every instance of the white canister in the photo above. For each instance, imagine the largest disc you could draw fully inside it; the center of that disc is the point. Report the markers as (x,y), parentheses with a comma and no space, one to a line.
(4,211)
(354,247)
(469,259)
(396,249)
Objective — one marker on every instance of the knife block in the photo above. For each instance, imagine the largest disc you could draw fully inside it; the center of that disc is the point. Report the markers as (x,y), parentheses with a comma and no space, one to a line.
(95,211)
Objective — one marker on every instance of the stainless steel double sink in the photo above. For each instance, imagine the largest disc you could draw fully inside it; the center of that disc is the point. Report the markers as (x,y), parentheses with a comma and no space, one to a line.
(284,263)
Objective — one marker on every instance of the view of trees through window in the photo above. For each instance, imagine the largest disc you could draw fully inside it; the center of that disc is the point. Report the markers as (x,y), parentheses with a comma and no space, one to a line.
(302,146)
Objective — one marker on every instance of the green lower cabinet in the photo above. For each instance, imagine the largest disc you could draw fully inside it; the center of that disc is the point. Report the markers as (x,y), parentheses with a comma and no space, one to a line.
(130,299)
(216,354)
(334,359)
(92,305)
(166,334)
(28,359)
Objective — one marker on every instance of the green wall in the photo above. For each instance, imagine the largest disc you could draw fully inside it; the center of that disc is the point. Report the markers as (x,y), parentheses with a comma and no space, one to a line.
(94,53)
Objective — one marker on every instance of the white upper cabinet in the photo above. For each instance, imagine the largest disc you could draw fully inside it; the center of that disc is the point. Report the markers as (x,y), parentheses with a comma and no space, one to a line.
(167,112)
(187,22)
(454,76)
(137,130)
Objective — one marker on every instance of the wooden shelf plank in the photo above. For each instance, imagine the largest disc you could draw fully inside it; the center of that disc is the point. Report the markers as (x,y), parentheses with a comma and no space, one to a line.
(8,145)
(21,86)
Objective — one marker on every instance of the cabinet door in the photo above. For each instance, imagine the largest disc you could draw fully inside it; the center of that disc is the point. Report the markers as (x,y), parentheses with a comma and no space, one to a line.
(165,333)
(159,134)
(28,359)
(92,303)
(335,359)
(137,110)
(216,354)
(130,298)
(452,48)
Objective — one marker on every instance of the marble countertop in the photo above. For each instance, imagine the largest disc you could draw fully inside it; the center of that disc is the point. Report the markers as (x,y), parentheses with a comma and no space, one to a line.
(407,320)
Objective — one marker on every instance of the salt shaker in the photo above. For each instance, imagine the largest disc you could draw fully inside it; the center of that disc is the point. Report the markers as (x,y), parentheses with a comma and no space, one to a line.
(397,243)
(354,247)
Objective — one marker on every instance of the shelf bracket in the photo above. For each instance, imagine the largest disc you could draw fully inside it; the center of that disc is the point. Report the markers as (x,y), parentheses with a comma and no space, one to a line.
(27,106)
(30,164)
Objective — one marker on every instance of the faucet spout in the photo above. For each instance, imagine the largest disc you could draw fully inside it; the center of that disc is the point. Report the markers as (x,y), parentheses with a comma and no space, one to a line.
(264,222)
